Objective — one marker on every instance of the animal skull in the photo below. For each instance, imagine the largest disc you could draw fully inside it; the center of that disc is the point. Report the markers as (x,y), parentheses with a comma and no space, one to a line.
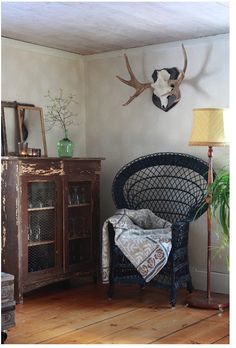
(161,87)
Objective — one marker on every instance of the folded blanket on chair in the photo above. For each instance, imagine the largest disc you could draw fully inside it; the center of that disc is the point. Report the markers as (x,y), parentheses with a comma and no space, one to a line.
(143,237)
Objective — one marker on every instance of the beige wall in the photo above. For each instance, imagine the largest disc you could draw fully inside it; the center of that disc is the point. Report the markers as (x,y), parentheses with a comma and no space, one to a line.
(105,128)
(29,71)
(122,133)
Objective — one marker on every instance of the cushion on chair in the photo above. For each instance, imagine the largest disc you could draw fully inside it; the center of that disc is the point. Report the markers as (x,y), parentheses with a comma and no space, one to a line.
(144,238)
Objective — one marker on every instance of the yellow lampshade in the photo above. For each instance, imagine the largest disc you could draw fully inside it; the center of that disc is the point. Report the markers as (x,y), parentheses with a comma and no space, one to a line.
(209,127)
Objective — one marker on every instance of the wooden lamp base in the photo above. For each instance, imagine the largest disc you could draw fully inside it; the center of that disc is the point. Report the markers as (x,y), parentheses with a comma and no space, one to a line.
(199,299)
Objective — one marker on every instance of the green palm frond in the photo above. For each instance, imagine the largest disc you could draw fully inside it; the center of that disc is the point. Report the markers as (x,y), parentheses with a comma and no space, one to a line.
(218,193)
(220,196)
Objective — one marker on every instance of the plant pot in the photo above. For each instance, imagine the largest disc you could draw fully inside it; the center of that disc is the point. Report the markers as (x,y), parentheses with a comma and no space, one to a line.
(65,147)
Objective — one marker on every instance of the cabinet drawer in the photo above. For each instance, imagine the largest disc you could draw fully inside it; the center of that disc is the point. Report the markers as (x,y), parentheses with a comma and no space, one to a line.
(82,167)
(41,168)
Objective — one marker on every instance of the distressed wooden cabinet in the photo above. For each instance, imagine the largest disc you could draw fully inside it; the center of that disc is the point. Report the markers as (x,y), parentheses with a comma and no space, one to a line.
(50,219)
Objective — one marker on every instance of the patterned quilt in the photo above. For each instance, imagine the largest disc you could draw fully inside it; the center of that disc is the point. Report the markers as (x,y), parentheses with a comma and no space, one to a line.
(143,237)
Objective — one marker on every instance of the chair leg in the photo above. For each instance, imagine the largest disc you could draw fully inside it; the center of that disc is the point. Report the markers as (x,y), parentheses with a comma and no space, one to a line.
(142,286)
(173,287)
(190,286)
(110,291)
(111,281)
(4,337)
(173,297)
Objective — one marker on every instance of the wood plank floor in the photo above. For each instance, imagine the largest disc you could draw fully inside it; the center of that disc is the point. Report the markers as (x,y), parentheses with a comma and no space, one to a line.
(82,314)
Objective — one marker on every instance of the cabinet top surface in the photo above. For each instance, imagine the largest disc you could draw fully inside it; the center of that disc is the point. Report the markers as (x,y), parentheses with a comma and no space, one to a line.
(14,158)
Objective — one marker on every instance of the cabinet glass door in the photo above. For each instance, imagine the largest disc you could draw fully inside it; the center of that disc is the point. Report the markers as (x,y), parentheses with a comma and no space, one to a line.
(41,226)
(79,222)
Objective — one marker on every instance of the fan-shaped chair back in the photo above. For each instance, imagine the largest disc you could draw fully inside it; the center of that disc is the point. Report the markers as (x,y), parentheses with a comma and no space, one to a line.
(172,185)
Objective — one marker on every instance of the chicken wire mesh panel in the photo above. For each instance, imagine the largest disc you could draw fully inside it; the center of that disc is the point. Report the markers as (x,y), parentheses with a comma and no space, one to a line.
(79,221)
(41,257)
(79,250)
(79,193)
(41,194)
(41,225)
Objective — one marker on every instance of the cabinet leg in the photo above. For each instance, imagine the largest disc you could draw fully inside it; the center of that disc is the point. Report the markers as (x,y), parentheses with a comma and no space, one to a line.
(66,284)
(95,278)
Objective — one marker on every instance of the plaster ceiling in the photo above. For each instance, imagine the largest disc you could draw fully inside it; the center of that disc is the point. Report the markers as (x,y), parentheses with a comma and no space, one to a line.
(96,27)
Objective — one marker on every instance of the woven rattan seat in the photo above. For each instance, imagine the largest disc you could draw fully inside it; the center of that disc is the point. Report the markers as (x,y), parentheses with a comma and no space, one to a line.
(172,185)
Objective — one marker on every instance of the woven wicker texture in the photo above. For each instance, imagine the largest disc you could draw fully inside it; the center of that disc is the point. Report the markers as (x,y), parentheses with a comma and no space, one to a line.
(172,185)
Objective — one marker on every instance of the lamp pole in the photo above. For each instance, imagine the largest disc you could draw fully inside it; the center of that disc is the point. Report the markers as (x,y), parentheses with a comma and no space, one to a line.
(209,221)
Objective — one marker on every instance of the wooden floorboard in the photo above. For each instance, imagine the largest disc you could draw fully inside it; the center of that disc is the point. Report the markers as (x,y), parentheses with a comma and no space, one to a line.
(84,315)
(205,331)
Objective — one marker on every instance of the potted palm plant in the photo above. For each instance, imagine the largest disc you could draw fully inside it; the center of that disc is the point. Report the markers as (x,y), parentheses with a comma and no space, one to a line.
(219,192)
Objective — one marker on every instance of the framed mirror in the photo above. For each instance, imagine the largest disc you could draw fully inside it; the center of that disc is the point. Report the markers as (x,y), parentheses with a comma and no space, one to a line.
(31,127)
(10,133)
(9,129)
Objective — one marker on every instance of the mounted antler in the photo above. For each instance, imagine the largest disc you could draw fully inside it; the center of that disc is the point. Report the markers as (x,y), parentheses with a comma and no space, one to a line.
(166,83)
(176,83)
(133,82)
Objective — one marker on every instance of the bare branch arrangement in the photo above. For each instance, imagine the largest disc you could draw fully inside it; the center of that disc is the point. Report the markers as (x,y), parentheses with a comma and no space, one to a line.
(58,111)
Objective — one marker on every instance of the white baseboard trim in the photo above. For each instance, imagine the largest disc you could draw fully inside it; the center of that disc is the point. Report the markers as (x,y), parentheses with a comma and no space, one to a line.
(220,281)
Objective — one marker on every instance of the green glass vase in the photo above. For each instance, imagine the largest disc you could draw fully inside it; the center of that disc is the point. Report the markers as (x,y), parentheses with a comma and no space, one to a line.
(65,146)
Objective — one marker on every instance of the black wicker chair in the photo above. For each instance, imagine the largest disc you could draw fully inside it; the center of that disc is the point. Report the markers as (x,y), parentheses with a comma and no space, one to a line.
(171,185)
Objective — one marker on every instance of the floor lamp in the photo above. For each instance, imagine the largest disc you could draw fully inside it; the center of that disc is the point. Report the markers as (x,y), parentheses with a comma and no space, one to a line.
(208,130)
